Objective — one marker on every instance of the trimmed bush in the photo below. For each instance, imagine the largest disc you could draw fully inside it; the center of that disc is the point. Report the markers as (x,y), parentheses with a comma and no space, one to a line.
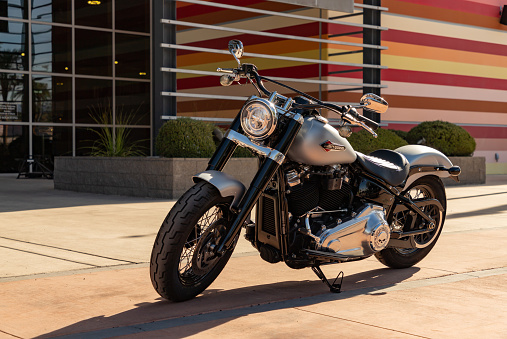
(364,142)
(401,134)
(185,138)
(448,138)
(189,138)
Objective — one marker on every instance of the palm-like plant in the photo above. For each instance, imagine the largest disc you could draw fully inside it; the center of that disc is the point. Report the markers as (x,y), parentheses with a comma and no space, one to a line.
(114,142)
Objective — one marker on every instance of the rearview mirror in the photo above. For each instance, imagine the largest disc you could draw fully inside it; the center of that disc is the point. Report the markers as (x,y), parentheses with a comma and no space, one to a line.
(374,103)
(236,49)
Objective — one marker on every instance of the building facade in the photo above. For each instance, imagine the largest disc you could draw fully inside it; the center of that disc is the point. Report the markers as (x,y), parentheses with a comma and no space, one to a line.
(68,67)
(72,67)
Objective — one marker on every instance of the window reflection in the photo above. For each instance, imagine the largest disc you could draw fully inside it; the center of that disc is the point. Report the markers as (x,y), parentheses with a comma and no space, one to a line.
(14,100)
(132,56)
(52,10)
(132,15)
(93,52)
(52,99)
(93,99)
(93,13)
(13,9)
(133,98)
(50,141)
(13,147)
(13,42)
(52,49)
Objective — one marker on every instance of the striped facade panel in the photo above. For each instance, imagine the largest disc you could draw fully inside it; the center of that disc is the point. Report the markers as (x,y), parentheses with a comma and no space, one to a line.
(447,60)
(203,61)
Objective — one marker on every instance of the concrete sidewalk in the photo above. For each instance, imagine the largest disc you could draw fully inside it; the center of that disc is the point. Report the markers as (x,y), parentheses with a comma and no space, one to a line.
(76,265)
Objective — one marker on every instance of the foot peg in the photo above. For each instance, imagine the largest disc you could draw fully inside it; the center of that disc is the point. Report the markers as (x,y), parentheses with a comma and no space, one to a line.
(334,287)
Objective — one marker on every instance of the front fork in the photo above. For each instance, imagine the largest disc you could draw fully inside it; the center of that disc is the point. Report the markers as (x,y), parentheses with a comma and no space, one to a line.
(273,158)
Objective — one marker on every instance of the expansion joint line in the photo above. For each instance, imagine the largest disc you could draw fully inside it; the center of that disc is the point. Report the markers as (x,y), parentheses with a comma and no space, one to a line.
(359,322)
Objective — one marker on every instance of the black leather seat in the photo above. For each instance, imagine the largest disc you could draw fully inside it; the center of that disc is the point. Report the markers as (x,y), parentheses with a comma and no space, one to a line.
(388,165)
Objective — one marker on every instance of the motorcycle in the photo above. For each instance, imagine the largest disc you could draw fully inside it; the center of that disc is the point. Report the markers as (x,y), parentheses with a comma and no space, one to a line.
(317,200)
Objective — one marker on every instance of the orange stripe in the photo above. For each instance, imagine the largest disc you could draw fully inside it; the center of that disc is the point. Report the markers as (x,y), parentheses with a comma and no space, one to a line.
(274,48)
(436,53)
(442,14)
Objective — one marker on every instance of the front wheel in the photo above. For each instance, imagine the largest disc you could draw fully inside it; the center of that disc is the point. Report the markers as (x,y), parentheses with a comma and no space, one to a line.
(183,263)
(428,187)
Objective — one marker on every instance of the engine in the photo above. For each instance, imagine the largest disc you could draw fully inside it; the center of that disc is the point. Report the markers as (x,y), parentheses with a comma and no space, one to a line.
(327,217)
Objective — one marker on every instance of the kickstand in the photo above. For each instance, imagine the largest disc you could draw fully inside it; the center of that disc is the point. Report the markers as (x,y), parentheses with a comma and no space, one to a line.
(334,287)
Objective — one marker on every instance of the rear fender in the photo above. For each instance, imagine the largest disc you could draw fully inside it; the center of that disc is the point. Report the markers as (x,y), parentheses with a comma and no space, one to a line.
(226,184)
(424,161)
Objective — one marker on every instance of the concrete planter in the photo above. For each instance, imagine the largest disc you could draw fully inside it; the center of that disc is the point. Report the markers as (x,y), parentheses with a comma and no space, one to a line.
(473,171)
(169,178)
(165,178)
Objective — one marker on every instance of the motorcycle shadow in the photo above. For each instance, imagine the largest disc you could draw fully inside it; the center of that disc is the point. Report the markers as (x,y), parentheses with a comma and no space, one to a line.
(216,307)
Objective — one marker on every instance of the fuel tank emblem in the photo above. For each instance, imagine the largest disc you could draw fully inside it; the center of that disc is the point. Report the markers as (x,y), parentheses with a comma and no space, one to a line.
(329,146)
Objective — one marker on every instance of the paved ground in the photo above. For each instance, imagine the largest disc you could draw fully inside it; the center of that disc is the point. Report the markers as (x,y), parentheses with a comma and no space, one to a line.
(75,265)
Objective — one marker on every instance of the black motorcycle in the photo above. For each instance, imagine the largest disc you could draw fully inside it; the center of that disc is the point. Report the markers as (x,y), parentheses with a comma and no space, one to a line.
(318,201)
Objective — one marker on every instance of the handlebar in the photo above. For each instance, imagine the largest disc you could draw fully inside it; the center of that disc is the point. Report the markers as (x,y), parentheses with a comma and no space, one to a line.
(348,113)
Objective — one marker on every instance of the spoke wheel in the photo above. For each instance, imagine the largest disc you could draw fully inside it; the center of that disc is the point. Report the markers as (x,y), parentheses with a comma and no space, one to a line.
(424,188)
(183,261)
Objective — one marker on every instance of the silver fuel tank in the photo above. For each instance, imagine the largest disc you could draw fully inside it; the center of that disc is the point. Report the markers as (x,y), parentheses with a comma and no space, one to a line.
(307,147)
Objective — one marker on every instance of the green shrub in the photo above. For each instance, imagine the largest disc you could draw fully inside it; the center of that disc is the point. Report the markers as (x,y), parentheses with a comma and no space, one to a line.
(185,138)
(364,142)
(448,138)
(189,138)
(401,134)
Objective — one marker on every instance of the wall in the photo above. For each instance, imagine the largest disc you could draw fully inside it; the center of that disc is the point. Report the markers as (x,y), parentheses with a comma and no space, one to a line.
(447,61)
(140,177)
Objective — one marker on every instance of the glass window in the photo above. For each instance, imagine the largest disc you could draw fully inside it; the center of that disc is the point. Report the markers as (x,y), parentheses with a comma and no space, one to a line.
(13,147)
(14,100)
(132,56)
(50,141)
(93,13)
(52,49)
(52,99)
(139,138)
(13,9)
(52,11)
(85,138)
(13,42)
(93,101)
(133,100)
(93,52)
(133,15)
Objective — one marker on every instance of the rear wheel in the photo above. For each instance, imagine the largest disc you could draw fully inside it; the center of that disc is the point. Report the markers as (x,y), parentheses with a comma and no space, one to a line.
(429,187)
(183,263)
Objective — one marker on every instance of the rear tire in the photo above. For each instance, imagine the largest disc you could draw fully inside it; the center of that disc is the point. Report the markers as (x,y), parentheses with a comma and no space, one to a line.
(429,187)
(181,263)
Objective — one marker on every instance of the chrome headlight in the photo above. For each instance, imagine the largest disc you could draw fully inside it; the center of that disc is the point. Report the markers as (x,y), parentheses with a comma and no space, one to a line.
(259,118)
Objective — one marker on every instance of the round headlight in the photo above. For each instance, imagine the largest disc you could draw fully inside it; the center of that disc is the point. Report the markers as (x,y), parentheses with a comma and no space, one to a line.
(258,118)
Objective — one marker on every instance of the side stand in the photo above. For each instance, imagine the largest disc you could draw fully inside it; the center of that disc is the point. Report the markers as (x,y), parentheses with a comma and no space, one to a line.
(334,287)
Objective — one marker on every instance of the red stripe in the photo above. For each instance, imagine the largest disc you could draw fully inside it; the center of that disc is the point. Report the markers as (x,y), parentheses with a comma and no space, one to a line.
(487,132)
(443,79)
(483,132)
(249,40)
(460,6)
(193,10)
(443,42)
(297,72)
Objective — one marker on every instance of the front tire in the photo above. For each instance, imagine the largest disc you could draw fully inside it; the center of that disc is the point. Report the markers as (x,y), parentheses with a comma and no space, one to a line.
(182,262)
(429,187)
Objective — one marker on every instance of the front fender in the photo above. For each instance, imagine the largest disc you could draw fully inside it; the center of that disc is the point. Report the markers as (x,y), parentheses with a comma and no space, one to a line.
(424,161)
(226,184)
